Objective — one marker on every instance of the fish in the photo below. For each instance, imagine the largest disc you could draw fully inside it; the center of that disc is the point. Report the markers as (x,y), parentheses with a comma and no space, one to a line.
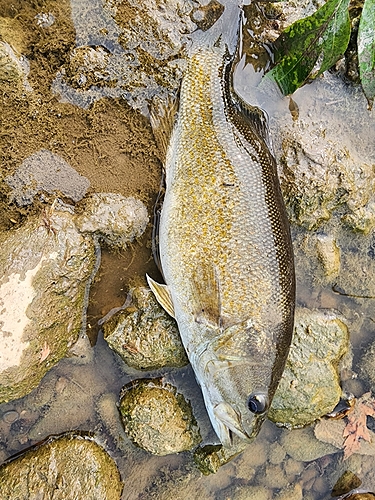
(224,243)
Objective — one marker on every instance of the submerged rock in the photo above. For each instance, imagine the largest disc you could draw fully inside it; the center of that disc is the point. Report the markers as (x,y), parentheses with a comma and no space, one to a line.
(71,466)
(210,458)
(347,481)
(45,269)
(321,177)
(144,335)
(310,385)
(303,446)
(116,220)
(45,171)
(367,365)
(157,418)
(328,254)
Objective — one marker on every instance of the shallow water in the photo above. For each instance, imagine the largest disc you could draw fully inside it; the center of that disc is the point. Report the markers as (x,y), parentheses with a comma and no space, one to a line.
(111,143)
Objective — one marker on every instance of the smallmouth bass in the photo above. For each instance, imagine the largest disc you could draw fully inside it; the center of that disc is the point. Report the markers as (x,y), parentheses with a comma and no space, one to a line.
(225,247)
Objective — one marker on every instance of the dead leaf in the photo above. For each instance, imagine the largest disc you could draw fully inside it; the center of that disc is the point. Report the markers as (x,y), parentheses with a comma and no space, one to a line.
(356,429)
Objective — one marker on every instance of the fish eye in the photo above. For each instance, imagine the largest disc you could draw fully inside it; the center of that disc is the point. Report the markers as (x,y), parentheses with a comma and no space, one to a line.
(257,403)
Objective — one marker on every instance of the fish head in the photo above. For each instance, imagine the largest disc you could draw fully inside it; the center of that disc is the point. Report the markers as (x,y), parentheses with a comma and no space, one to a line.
(237,378)
(235,406)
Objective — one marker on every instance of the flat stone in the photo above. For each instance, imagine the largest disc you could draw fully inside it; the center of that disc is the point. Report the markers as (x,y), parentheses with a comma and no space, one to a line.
(48,172)
(303,446)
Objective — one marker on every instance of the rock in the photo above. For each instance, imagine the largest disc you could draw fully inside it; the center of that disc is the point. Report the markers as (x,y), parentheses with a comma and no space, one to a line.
(210,458)
(346,482)
(144,335)
(14,68)
(171,482)
(146,56)
(88,67)
(328,254)
(47,172)
(273,476)
(367,365)
(276,454)
(71,466)
(250,493)
(114,219)
(319,183)
(157,418)
(302,445)
(45,268)
(310,385)
(292,468)
(331,431)
(293,492)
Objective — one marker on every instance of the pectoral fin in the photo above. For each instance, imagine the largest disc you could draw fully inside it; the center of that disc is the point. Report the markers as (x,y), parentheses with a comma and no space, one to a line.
(207,296)
(162,295)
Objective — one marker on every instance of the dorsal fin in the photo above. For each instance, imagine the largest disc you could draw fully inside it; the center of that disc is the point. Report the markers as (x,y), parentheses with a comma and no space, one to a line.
(163,116)
(257,117)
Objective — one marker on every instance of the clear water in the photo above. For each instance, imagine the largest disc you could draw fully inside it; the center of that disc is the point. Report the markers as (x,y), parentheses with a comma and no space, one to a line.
(93,129)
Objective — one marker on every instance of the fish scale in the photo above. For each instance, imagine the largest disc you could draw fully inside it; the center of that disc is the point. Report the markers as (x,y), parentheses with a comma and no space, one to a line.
(225,247)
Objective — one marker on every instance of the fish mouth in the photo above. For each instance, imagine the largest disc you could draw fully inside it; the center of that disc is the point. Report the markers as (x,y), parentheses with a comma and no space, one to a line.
(228,422)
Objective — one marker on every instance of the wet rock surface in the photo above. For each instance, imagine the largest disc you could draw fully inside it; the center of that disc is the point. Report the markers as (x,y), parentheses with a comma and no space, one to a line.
(114,219)
(46,266)
(326,181)
(71,466)
(14,68)
(157,418)
(310,385)
(143,334)
(302,445)
(45,172)
(210,458)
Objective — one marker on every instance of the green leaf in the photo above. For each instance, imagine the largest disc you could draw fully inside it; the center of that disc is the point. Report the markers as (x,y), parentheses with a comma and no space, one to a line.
(366,49)
(311,45)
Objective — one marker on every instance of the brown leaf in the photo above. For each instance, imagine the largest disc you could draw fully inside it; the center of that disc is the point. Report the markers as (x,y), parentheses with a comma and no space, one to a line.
(356,429)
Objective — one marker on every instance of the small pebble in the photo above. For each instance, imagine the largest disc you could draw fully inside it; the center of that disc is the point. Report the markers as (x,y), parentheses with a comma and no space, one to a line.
(274,477)
(11,416)
(293,492)
(292,469)
(276,454)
